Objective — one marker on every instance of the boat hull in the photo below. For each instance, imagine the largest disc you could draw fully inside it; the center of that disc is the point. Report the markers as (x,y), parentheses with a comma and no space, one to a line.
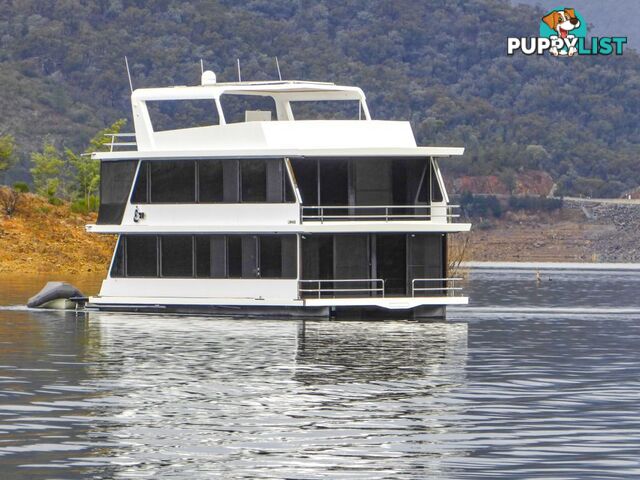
(436,310)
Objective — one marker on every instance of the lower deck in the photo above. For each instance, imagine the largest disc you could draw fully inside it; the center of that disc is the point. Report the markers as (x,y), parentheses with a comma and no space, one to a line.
(366,270)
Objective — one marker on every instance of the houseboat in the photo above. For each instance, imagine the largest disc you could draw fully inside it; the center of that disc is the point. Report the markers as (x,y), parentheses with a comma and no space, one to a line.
(304,206)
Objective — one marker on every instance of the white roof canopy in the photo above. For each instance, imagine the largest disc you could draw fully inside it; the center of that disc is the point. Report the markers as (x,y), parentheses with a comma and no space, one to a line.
(291,90)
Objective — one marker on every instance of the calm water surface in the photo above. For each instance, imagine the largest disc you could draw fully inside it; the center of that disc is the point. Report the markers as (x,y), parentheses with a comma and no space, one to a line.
(531,381)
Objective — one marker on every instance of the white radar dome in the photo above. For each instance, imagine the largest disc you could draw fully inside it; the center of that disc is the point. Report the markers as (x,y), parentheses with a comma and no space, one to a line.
(208,78)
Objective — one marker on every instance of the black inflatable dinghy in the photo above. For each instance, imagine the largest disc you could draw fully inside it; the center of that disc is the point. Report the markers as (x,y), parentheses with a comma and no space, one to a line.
(58,295)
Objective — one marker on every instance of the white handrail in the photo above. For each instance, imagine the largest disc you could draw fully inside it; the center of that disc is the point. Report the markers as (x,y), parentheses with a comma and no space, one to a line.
(387,212)
(115,136)
(378,288)
(453,289)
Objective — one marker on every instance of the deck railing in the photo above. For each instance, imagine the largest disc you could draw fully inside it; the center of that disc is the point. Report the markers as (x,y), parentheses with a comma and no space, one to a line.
(354,287)
(118,141)
(383,213)
(437,287)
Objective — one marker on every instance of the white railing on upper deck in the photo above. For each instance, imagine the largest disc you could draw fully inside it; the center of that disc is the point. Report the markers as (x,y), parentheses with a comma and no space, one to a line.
(385,213)
(430,287)
(117,141)
(364,287)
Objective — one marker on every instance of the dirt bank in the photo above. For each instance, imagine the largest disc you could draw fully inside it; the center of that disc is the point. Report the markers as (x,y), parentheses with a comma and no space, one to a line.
(40,237)
(579,232)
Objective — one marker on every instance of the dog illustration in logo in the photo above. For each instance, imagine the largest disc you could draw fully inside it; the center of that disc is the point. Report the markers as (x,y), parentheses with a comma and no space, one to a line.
(563,22)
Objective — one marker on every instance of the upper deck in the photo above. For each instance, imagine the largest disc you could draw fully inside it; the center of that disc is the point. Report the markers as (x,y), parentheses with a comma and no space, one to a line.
(285,122)
(372,166)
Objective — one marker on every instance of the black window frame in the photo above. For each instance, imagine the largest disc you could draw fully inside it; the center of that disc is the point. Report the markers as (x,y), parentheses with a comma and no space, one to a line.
(232,185)
(161,255)
(249,264)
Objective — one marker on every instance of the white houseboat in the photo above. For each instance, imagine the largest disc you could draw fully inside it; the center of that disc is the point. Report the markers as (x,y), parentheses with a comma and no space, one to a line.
(275,211)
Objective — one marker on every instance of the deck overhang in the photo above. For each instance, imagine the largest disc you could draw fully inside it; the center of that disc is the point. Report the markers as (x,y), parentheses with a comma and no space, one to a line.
(436,152)
(326,227)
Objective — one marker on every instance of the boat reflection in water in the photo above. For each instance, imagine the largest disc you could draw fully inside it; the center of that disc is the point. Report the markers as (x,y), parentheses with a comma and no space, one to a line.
(160,395)
(346,352)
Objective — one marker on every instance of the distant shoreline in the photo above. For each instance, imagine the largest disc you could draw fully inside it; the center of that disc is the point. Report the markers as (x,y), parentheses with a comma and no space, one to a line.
(524,265)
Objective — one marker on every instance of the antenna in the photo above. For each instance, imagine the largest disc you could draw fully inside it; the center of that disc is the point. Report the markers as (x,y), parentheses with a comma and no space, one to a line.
(126,62)
(278,67)
(201,67)
(239,76)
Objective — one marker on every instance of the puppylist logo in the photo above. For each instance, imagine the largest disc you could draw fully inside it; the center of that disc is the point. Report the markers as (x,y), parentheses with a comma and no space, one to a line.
(563,33)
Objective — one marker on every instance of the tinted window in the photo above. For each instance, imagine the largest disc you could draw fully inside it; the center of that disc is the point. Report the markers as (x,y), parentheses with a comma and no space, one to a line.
(270,257)
(203,256)
(142,256)
(289,195)
(173,181)
(141,189)
(254,180)
(117,269)
(177,256)
(306,173)
(210,181)
(115,184)
(234,257)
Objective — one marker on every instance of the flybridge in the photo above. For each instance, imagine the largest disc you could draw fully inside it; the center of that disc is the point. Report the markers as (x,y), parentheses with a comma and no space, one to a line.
(285,100)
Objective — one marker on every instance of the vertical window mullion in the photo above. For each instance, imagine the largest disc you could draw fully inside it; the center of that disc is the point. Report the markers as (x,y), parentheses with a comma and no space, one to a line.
(159,255)
(147,166)
(257,248)
(124,253)
(194,265)
(197,182)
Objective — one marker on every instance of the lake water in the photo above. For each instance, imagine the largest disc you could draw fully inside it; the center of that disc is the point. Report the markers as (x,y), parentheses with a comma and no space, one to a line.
(533,380)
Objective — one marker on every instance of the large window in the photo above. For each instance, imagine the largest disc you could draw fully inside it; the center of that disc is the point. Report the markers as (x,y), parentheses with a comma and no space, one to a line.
(173,181)
(213,181)
(141,256)
(203,256)
(366,181)
(115,184)
(210,181)
(254,181)
(177,255)
(206,256)
(234,257)
(271,257)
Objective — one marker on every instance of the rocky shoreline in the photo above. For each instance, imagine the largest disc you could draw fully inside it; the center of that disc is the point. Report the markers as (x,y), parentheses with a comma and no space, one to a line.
(579,232)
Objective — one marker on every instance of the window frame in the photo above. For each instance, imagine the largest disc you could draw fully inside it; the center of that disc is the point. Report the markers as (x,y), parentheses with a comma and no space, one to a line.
(288,245)
(287,194)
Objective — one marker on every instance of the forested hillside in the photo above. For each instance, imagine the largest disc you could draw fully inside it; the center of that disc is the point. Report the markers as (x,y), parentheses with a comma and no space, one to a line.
(442,64)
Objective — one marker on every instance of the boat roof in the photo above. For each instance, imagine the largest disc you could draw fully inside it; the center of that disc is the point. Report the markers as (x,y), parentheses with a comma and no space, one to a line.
(264,88)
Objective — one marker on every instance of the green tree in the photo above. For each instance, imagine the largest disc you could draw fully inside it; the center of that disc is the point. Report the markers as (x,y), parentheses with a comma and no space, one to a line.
(47,169)
(86,169)
(7,152)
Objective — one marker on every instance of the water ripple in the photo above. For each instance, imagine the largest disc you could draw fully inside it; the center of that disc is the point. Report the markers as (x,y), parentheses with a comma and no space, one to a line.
(510,392)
